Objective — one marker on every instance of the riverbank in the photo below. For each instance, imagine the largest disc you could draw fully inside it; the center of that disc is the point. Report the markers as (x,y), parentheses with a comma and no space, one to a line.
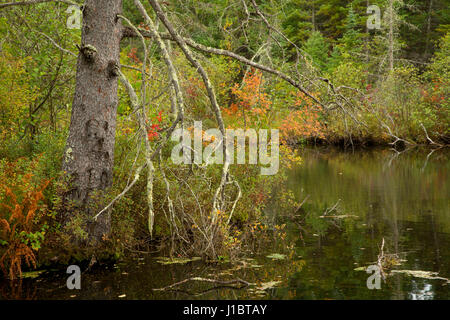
(353,201)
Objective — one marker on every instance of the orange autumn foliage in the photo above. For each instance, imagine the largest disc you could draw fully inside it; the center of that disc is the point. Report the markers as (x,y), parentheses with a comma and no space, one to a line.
(17,221)
(302,123)
(206,138)
(133,56)
(250,98)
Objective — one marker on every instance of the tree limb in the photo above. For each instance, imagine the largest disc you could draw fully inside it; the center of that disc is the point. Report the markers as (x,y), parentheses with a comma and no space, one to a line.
(30,2)
(191,43)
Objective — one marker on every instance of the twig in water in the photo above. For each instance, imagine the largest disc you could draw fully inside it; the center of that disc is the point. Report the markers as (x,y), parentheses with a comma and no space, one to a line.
(380,260)
(220,282)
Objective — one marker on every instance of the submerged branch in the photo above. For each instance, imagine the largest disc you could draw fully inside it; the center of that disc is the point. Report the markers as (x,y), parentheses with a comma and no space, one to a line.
(220,282)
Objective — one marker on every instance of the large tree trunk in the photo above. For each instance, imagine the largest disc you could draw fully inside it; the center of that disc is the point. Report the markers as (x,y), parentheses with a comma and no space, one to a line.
(89,155)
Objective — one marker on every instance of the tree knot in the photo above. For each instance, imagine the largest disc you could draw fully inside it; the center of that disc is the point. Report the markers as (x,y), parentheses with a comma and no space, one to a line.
(113,69)
(88,51)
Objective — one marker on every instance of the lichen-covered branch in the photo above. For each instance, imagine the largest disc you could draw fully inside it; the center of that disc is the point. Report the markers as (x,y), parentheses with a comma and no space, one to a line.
(211,94)
(31,2)
(168,61)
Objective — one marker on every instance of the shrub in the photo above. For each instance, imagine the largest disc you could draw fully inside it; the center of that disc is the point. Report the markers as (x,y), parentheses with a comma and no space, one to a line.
(22,229)
(303,123)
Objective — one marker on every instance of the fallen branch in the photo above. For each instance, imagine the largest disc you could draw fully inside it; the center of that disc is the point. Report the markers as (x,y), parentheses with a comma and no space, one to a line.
(329,210)
(25,3)
(428,137)
(128,32)
(220,282)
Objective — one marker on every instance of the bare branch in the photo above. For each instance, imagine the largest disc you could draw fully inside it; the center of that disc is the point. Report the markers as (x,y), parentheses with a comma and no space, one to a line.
(191,43)
(31,2)
(428,137)
(236,281)
(211,94)
(57,45)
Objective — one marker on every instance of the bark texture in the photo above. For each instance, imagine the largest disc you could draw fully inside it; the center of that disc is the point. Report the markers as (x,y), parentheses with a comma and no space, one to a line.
(89,154)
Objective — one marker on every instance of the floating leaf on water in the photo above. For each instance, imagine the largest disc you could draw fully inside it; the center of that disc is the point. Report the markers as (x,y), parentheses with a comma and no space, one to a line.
(397,262)
(276,256)
(248,259)
(166,261)
(257,293)
(251,265)
(417,273)
(392,262)
(421,274)
(268,285)
(247,263)
(342,216)
(32,274)
(360,269)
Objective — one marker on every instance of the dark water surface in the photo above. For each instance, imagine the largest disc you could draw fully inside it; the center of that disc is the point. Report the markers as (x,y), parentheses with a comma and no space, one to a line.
(403,198)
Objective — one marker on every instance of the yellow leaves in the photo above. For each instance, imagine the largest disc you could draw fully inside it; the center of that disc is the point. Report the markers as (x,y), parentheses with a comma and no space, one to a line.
(128,130)
(290,156)
(280,227)
(257,226)
(208,138)
(233,240)
(219,216)
(14,79)
(227,25)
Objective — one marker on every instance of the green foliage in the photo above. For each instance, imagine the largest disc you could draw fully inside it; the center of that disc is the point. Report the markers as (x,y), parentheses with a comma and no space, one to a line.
(297,25)
(437,91)
(38,81)
(317,49)
(440,63)
(13,107)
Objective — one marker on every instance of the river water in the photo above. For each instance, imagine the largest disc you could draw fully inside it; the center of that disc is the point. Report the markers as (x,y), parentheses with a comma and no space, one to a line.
(354,200)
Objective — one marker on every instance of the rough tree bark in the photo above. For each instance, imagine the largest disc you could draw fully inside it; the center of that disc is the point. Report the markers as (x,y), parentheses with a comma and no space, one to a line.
(89,154)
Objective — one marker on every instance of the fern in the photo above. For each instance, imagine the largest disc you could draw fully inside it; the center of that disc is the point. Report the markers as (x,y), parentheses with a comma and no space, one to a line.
(22,215)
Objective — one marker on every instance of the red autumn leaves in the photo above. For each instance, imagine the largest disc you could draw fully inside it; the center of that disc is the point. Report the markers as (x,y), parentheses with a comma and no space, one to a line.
(153,131)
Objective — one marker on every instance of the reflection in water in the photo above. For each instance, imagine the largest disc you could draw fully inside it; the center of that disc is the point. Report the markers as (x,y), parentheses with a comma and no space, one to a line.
(16,290)
(396,197)
(421,294)
(401,197)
